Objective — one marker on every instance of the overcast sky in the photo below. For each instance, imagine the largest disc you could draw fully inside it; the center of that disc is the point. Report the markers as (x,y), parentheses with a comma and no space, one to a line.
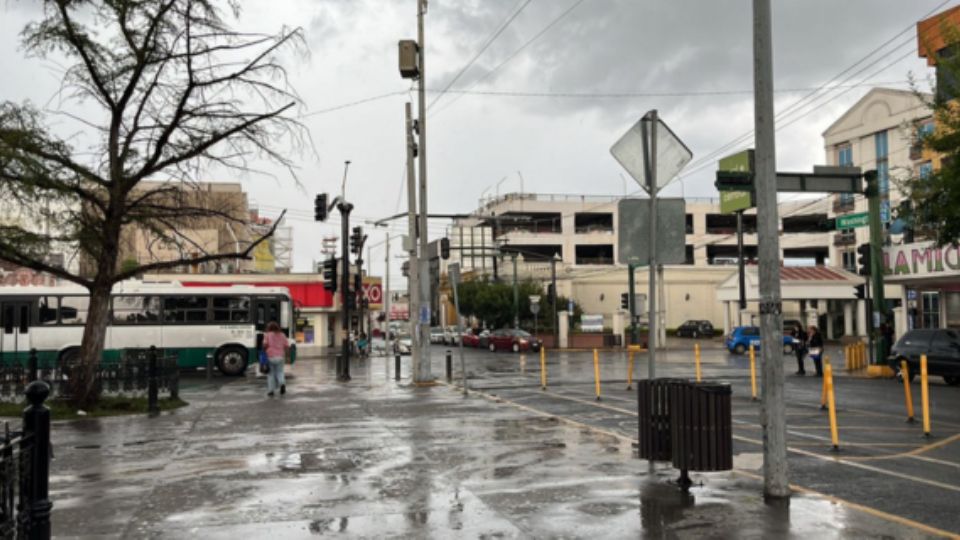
(689,59)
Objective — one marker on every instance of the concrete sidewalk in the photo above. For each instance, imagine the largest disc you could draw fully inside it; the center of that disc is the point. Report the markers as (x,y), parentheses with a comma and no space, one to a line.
(376,459)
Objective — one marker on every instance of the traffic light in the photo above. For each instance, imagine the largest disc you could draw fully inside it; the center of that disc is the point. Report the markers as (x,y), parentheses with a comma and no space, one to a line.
(330,274)
(734,181)
(405,268)
(863,259)
(351,302)
(444,248)
(357,282)
(356,240)
(320,207)
(624,301)
(861,291)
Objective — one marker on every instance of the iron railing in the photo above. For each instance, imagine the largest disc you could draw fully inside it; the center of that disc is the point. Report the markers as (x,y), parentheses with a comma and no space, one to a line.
(25,471)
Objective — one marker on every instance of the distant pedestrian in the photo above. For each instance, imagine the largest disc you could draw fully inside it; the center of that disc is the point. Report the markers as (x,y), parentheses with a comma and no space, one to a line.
(362,345)
(276,346)
(800,347)
(815,349)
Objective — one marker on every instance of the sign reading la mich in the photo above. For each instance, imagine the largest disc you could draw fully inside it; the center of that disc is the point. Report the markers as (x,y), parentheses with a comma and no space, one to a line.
(922,259)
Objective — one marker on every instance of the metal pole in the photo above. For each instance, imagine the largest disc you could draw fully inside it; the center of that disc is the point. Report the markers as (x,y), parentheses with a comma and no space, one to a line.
(741,268)
(516,295)
(422,371)
(553,303)
(463,363)
(413,277)
(878,313)
(773,411)
(650,149)
(386,299)
(343,373)
(631,301)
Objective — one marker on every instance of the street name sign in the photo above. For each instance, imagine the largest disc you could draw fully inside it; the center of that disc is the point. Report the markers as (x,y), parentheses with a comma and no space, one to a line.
(735,201)
(852,221)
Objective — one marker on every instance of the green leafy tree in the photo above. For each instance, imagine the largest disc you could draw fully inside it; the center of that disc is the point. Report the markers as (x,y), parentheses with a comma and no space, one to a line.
(159,90)
(492,303)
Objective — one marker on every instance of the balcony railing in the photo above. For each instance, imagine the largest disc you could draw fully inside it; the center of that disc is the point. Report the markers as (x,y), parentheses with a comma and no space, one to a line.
(845,239)
(843,205)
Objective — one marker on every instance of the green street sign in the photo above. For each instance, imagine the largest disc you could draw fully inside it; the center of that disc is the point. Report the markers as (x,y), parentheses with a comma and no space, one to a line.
(735,201)
(739,162)
(852,221)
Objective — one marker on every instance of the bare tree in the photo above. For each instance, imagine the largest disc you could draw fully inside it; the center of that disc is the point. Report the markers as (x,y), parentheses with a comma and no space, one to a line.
(174,90)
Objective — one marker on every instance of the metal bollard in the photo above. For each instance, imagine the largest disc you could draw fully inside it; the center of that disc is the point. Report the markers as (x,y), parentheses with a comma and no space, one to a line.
(823,395)
(696,358)
(831,402)
(35,445)
(924,395)
(209,366)
(596,371)
(543,368)
(753,372)
(396,367)
(449,366)
(32,366)
(630,370)
(905,375)
(153,407)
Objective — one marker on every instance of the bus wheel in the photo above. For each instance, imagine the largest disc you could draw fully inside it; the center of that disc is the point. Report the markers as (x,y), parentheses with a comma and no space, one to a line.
(68,360)
(232,361)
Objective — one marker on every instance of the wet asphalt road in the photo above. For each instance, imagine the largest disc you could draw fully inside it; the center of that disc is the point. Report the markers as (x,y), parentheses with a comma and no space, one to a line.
(380,459)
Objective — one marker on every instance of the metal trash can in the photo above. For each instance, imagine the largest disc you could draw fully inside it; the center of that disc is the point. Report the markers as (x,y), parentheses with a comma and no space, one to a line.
(701,435)
(654,417)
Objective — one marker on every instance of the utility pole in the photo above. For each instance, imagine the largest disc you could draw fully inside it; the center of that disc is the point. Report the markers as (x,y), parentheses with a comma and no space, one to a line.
(877,314)
(553,302)
(413,278)
(632,301)
(422,372)
(773,412)
(741,270)
(386,299)
(343,370)
(650,149)
(516,295)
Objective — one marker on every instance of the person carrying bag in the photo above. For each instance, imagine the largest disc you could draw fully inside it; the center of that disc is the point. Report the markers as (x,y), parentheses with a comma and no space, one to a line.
(275,347)
(815,349)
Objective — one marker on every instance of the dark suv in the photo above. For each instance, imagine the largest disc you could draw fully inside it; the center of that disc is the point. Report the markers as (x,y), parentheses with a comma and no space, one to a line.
(695,329)
(942,347)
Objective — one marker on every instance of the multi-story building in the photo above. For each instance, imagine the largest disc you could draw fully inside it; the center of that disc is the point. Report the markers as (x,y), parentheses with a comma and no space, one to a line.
(580,231)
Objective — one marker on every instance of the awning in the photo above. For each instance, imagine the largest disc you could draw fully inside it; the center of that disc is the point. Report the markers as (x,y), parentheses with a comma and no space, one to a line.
(796,283)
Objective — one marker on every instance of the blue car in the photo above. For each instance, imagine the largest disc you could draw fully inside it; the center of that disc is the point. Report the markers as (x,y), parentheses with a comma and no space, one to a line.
(742,337)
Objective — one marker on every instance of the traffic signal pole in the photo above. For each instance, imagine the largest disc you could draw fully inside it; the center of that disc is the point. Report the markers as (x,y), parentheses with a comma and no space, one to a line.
(632,301)
(878,312)
(343,370)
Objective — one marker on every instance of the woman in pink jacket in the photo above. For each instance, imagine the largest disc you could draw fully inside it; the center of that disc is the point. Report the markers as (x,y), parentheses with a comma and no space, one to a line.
(276,346)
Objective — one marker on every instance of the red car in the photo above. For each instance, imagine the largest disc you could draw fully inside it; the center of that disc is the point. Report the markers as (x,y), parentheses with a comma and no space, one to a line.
(469,339)
(512,340)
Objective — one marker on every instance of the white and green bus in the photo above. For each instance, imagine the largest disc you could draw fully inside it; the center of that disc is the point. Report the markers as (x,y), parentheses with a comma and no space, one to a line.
(227,321)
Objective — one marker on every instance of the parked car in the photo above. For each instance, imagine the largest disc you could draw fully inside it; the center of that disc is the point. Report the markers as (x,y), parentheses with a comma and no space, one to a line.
(483,339)
(451,336)
(942,347)
(742,337)
(470,339)
(512,340)
(436,335)
(695,329)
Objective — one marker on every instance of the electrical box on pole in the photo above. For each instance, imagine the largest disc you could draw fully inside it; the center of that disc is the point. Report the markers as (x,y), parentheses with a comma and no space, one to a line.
(409,59)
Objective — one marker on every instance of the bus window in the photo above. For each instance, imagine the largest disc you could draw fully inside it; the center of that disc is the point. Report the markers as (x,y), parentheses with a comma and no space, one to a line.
(73,309)
(47,313)
(130,309)
(285,316)
(231,309)
(185,309)
(8,318)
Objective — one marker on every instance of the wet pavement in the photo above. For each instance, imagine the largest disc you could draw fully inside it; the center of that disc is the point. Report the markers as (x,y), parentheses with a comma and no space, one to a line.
(377,458)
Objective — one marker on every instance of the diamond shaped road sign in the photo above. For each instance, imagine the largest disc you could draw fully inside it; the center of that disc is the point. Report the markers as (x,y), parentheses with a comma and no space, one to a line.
(672,154)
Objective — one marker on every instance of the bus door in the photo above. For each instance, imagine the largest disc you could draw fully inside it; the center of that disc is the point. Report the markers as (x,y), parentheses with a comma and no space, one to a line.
(265,309)
(15,329)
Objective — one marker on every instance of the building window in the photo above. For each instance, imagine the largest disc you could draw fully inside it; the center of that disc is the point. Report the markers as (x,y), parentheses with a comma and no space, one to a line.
(926,169)
(931,309)
(883,168)
(925,129)
(845,159)
(688,254)
(594,254)
(849,259)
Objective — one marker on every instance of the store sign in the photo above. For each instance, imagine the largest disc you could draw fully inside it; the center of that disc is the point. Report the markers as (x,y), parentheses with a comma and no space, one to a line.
(922,259)
(24,277)
(373,292)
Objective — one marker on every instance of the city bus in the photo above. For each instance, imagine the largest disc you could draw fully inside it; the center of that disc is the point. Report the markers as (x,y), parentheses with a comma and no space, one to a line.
(190,322)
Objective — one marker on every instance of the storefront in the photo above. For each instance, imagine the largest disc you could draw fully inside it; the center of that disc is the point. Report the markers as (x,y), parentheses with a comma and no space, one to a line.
(929,278)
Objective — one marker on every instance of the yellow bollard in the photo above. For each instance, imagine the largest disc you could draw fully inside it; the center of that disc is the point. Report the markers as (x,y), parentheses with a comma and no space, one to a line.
(924,395)
(905,375)
(696,358)
(596,372)
(630,370)
(753,373)
(823,395)
(543,368)
(831,401)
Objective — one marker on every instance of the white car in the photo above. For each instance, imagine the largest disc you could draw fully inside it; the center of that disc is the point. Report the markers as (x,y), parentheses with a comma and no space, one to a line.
(436,335)
(402,344)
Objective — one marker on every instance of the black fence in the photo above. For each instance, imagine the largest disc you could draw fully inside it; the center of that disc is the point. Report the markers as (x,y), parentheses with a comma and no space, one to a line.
(135,373)
(25,471)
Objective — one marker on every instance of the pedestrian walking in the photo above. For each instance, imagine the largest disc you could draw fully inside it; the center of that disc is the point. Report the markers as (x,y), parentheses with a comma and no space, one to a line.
(800,348)
(276,346)
(815,349)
